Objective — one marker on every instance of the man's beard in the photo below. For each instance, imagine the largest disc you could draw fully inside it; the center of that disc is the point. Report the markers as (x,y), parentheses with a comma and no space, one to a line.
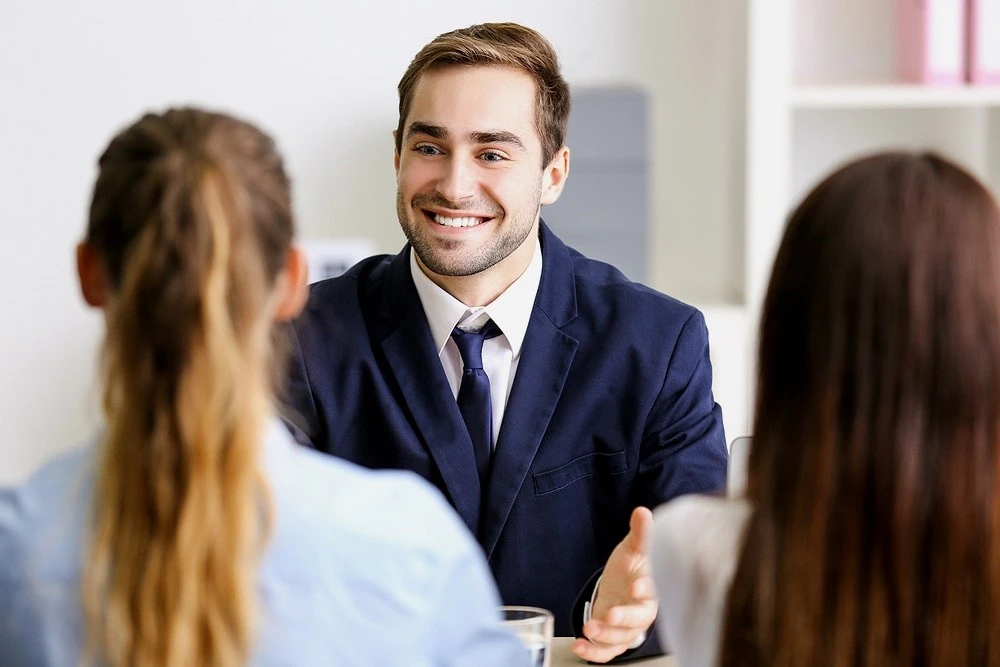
(443,257)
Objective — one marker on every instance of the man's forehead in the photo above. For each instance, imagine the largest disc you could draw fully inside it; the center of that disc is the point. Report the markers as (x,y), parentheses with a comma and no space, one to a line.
(470,73)
(475,100)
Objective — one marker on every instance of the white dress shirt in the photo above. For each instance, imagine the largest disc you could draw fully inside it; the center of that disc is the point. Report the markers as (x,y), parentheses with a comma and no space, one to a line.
(510,312)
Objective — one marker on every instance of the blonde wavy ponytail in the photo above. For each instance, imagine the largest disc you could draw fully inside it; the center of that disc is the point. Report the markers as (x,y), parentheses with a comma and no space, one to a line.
(191,216)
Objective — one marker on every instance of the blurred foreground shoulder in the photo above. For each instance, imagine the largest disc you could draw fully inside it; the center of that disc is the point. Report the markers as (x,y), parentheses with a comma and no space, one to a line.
(41,525)
(386,546)
(43,512)
(695,549)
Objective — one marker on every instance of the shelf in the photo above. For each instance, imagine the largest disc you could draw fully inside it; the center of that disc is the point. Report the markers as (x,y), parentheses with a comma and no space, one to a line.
(893,96)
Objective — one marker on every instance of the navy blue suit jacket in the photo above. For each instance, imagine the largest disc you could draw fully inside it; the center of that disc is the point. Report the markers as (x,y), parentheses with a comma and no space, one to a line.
(611,408)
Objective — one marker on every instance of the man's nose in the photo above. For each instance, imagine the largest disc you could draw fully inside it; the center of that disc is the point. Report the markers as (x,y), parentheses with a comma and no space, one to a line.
(458,181)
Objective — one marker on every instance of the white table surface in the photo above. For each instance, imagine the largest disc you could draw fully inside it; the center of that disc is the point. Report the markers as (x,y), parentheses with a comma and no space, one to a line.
(562,656)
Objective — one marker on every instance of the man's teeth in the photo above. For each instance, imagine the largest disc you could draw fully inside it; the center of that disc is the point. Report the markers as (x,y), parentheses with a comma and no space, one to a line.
(456,222)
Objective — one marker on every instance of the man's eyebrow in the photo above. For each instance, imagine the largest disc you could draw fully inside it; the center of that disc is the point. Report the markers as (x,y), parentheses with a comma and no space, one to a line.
(418,127)
(485,137)
(497,137)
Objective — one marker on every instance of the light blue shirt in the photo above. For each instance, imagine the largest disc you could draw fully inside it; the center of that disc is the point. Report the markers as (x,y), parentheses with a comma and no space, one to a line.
(363,568)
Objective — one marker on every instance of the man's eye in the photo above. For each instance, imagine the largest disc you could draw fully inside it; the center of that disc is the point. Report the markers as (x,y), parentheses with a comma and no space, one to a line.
(492,156)
(427,150)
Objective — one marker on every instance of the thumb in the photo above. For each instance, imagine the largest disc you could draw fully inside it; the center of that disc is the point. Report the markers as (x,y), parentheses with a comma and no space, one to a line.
(640,531)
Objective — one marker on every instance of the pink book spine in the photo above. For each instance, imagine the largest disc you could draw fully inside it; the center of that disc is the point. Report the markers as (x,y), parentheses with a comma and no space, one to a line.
(984,41)
(930,41)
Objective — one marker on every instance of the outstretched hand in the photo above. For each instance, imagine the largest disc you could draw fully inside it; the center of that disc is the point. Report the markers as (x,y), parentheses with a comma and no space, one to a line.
(626,603)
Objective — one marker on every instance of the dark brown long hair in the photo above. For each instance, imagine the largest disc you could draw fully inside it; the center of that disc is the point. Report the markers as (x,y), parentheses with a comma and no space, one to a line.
(874,467)
(191,218)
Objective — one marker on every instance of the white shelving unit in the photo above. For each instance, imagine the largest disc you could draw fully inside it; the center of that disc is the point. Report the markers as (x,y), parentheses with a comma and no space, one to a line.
(729,337)
(892,96)
(821,90)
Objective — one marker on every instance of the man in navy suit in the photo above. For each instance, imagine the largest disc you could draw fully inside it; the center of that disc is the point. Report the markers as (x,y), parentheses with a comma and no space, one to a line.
(591,399)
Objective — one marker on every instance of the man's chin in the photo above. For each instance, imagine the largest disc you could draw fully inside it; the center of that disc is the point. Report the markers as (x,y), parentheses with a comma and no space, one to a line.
(445,266)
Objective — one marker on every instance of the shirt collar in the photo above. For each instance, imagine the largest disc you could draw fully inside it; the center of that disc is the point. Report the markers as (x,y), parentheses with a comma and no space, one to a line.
(511,311)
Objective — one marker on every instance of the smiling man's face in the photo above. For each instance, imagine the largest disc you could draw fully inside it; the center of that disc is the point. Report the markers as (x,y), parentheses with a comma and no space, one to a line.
(469,173)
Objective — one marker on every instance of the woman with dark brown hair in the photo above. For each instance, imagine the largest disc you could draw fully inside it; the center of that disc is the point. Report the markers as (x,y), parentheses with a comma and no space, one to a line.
(869,531)
(194,532)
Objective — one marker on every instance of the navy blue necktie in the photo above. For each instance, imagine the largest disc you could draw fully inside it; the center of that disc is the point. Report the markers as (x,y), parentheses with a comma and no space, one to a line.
(474,394)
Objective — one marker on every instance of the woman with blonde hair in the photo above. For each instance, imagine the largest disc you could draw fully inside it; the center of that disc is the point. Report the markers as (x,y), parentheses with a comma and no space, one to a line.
(870,531)
(193,532)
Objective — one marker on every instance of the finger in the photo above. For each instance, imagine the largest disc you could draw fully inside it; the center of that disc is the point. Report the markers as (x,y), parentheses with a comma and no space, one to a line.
(596,653)
(640,530)
(609,635)
(633,616)
(643,589)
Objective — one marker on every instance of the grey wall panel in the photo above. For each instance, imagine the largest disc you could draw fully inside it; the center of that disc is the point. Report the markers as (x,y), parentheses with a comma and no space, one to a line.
(604,210)
(608,123)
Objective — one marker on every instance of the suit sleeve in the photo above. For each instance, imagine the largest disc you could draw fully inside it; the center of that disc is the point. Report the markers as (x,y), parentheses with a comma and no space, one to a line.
(683,448)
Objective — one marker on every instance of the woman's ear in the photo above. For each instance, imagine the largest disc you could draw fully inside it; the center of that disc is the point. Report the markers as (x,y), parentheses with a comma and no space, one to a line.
(93,278)
(294,290)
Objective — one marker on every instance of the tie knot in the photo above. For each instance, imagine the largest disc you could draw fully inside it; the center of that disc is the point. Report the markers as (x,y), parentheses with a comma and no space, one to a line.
(470,343)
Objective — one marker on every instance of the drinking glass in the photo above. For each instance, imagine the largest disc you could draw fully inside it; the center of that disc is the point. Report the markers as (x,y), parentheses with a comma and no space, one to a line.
(534,626)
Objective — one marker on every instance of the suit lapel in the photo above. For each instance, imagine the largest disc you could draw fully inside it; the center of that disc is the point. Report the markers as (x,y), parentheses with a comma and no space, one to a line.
(546,357)
(410,351)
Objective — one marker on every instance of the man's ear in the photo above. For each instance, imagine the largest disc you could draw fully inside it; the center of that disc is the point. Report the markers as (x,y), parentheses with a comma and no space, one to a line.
(93,277)
(395,151)
(294,289)
(554,176)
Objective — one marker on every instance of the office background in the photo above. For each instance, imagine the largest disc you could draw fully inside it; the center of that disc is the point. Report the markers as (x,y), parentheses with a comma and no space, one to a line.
(746,104)
(321,77)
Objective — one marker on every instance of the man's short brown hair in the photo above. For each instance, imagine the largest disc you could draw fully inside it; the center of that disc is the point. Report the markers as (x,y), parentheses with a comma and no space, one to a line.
(498,44)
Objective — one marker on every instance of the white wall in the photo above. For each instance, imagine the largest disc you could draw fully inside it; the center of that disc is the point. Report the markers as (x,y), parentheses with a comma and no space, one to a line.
(321,77)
